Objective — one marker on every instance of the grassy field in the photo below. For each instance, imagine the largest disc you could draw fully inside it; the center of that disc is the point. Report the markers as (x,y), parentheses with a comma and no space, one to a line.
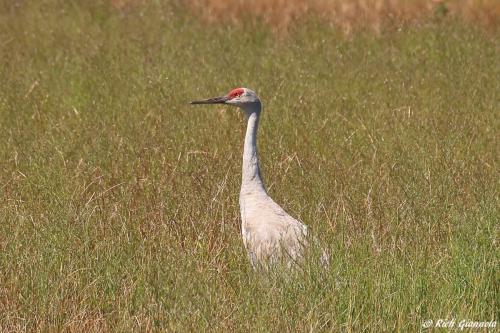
(119,201)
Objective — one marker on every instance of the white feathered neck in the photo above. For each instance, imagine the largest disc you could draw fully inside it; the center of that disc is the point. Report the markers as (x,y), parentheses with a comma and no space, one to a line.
(251,178)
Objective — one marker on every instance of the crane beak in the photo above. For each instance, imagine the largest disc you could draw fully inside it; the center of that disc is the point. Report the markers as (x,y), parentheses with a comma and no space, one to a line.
(215,100)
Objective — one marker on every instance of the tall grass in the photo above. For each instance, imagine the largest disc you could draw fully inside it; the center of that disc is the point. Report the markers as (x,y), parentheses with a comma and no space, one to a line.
(119,202)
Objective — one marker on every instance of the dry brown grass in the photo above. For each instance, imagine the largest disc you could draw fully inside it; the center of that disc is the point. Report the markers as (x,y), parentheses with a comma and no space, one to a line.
(348,15)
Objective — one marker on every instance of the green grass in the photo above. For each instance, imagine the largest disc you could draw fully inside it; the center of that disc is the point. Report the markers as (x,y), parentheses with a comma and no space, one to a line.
(119,201)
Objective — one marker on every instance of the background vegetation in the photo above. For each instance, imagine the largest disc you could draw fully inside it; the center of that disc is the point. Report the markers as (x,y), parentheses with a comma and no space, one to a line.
(119,201)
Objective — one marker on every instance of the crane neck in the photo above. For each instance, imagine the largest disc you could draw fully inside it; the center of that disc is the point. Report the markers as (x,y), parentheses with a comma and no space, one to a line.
(251,178)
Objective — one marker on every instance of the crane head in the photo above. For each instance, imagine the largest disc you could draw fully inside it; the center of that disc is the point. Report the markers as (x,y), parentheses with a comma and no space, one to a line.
(241,97)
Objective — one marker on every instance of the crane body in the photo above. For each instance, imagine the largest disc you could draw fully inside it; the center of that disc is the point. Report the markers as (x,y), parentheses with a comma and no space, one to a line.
(270,235)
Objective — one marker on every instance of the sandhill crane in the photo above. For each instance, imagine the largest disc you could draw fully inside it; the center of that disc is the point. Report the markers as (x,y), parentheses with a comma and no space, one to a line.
(270,235)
